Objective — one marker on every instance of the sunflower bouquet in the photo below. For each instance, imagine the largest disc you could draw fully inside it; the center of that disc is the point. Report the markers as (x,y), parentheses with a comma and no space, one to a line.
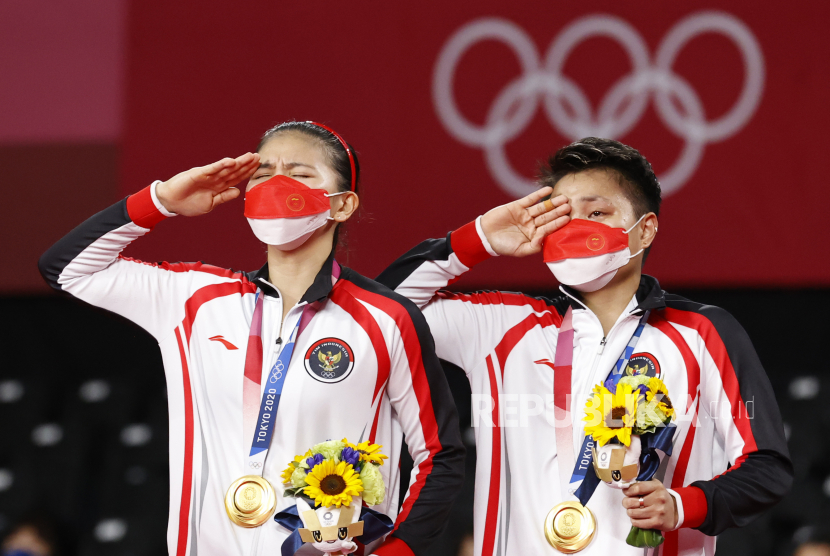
(629,421)
(333,472)
(330,482)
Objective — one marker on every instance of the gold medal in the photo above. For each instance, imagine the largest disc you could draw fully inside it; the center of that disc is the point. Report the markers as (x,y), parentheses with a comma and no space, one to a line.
(250,501)
(570,526)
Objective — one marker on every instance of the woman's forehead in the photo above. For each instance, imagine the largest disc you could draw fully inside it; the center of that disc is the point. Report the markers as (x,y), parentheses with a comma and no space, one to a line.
(293,147)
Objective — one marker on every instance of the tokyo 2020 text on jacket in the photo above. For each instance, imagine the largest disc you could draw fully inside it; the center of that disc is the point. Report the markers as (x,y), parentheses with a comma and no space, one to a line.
(730,460)
(201,315)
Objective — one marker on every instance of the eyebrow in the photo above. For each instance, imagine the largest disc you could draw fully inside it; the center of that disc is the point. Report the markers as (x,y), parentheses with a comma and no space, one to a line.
(590,198)
(288,165)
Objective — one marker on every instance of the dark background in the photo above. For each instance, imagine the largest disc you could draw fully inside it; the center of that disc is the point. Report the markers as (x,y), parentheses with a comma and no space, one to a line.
(100,97)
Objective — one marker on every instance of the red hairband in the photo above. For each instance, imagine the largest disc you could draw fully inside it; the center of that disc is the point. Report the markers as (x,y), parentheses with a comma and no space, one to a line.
(345,146)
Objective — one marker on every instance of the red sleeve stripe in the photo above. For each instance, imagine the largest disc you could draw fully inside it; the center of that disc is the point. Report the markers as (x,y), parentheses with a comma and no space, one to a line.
(679,477)
(695,506)
(467,245)
(142,210)
(671,546)
(187,476)
(373,433)
(364,318)
(515,334)
(192,267)
(499,298)
(717,349)
(692,367)
(208,293)
(737,464)
(491,521)
(412,346)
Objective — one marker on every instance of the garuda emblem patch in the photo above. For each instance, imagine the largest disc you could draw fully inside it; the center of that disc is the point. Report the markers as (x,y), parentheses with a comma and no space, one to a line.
(329,360)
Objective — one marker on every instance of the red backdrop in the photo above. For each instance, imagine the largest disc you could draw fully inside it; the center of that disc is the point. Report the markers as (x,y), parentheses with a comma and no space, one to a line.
(205,79)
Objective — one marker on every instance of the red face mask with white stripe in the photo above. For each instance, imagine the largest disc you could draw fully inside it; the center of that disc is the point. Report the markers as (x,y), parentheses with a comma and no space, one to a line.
(586,255)
(284,212)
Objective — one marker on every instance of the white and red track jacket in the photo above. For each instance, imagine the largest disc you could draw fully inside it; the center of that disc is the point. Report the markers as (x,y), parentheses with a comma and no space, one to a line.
(201,316)
(730,460)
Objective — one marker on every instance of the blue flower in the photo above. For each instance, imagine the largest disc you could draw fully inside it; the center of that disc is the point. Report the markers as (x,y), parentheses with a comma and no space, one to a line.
(610,385)
(350,455)
(642,389)
(316,459)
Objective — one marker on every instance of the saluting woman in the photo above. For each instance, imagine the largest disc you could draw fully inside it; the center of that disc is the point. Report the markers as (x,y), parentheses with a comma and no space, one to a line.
(346,357)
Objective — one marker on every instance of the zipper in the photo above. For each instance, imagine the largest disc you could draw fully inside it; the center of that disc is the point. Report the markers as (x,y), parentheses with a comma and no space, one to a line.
(598,355)
(604,341)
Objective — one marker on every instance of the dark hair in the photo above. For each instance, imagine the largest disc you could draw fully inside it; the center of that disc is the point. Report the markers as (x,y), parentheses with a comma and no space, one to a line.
(337,156)
(635,174)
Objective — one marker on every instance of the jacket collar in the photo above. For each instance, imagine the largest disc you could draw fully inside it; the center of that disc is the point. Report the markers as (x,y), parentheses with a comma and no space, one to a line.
(319,289)
(649,295)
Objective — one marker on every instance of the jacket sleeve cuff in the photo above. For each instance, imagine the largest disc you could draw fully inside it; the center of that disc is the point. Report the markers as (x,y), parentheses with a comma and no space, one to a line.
(145,209)
(470,245)
(692,506)
(394,547)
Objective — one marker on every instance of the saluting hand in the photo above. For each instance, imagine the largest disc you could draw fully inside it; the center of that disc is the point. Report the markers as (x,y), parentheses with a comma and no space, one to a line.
(518,228)
(658,510)
(200,190)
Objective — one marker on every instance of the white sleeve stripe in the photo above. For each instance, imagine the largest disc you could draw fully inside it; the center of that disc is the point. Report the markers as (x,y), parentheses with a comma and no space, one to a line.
(156,201)
(483,238)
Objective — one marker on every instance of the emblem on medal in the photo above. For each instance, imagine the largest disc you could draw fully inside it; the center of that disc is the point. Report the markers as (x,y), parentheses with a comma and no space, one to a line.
(570,527)
(250,501)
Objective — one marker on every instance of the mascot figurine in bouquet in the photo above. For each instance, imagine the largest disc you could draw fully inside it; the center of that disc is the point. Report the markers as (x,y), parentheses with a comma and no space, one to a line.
(630,423)
(332,482)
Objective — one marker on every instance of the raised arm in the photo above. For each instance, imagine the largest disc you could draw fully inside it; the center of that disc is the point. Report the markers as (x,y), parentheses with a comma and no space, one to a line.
(466,325)
(86,263)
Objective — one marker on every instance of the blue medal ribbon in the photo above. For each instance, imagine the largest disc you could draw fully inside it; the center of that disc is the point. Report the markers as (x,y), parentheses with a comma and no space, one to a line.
(582,482)
(270,403)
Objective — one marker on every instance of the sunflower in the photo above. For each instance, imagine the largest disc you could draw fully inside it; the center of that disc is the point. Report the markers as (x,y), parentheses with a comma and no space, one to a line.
(333,484)
(657,389)
(617,412)
(368,452)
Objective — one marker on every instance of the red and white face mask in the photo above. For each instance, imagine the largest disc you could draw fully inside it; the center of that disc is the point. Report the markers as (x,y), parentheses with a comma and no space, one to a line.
(284,212)
(586,255)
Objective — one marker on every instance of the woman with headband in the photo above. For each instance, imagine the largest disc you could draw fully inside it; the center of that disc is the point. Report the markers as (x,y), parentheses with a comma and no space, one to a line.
(347,357)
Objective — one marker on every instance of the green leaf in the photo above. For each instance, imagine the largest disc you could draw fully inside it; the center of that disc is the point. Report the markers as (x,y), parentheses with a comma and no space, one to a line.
(293,491)
(642,538)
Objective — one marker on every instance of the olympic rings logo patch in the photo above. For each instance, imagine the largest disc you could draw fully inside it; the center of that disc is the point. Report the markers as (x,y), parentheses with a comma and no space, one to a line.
(568,107)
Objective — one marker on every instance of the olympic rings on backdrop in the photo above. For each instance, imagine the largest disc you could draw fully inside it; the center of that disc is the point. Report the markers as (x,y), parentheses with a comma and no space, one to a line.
(568,107)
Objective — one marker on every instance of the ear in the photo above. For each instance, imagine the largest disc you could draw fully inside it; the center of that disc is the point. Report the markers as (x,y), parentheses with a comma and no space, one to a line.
(347,206)
(648,230)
